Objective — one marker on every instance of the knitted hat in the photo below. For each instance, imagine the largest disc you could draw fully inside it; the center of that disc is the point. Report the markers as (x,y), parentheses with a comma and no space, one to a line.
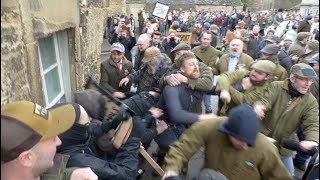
(242,124)
(24,124)
(265,66)
(303,70)
(302,35)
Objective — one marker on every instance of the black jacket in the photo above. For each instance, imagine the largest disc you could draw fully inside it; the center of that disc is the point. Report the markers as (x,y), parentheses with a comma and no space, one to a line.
(76,142)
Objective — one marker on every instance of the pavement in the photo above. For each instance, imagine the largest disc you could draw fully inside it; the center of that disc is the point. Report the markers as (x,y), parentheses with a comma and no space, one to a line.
(195,162)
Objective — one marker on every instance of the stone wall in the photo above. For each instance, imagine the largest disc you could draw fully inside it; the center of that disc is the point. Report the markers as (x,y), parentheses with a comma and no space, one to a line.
(14,79)
(24,22)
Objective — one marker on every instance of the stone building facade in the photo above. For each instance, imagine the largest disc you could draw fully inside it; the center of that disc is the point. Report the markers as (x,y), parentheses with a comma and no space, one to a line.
(49,48)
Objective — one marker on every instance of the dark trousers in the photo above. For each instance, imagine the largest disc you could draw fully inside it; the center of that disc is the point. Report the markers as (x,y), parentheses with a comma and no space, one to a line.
(141,24)
(300,157)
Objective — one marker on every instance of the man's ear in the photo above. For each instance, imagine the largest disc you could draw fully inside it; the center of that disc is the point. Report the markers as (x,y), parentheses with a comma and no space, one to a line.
(27,158)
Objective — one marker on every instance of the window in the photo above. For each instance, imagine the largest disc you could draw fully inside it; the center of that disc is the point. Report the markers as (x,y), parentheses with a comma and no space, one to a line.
(55,68)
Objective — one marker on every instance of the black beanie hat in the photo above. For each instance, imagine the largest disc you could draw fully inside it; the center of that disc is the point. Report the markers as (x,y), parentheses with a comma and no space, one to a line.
(242,123)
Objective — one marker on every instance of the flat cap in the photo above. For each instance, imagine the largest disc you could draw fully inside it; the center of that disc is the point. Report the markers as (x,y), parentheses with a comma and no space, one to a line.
(273,39)
(181,46)
(313,45)
(270,49)
(303,70)
(302,35)
(265,66)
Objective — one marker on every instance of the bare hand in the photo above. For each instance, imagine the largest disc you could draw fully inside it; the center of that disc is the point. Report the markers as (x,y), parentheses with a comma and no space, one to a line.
(169,173)
(172,81)
(294,58)
(307,145)
(124,82)
(246,83)
(181,78)
(259,109)
(161,126)
(156,112)
(225,96)
(119,94)
(83,174)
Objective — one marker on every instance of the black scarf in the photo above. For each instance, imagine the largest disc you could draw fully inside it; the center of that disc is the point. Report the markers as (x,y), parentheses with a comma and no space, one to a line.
(75,138)
(292,91)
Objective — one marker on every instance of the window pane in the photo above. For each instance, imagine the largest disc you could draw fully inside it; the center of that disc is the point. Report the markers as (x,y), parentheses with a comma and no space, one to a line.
(47,52)
(52,84)
(62,100)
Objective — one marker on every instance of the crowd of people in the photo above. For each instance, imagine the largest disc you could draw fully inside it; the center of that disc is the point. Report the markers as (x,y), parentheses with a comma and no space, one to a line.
(266,79)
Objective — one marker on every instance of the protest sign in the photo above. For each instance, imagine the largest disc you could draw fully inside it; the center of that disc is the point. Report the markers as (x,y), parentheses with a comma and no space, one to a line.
(160,10)
(185,37)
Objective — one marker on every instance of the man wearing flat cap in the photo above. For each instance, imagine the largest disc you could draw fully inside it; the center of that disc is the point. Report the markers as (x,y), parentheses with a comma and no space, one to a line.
(272,39)
(288,105)
(244,86)
(297,48)
(29,138)
(233,146)
(311,49)
(271,52)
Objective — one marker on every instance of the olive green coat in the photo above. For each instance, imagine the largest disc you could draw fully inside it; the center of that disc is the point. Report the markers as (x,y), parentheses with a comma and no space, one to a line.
(208,56)
(280,73)
(296,49)
(284,115)
(249,96)
(222,64)
(59,170)
(259,162)
(110,77)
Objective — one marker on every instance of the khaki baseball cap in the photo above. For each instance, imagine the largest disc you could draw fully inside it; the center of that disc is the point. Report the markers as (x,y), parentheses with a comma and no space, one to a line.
(24,124)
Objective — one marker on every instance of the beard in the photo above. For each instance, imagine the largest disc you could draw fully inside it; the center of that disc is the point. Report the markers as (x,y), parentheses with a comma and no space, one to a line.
(232,53)
(152,69)
(257,83)
(194,74)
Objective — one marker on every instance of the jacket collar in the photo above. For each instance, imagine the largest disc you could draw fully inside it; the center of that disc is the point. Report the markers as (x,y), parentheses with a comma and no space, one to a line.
(124,61)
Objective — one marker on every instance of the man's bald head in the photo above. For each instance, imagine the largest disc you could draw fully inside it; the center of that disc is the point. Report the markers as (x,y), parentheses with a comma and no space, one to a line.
(236,47)
(143,42)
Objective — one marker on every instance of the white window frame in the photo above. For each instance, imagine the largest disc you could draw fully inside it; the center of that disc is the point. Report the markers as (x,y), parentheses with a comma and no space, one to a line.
(44,72)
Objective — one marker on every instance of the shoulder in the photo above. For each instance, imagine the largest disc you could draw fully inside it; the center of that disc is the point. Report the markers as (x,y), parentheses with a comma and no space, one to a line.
(263,143)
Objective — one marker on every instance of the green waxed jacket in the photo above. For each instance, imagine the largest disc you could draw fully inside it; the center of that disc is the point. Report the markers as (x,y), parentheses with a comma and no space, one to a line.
(222,64)
(259,162)
(284,115)
(208,56)
(59,170)
(203,83)
(249,96)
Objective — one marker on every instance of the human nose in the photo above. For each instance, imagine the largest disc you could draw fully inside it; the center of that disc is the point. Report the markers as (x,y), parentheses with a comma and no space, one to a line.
(58,141)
